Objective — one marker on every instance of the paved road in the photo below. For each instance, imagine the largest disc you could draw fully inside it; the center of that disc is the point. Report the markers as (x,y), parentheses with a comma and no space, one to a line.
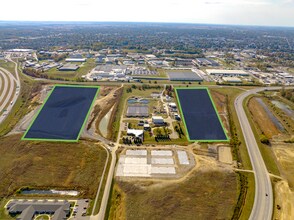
(263,200)
(11,96)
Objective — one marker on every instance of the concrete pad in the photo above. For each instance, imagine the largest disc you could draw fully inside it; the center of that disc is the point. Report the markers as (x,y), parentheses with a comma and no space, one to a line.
(225,155)
(183,157)
(136,160)
(161,153)
(163,170)
(156,160)
(136,152)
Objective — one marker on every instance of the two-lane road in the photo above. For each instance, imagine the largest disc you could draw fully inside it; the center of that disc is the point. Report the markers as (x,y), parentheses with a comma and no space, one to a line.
(263,200)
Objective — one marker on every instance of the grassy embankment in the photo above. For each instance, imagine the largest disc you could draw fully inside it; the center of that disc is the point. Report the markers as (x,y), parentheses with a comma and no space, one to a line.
(253,113)
(8,66)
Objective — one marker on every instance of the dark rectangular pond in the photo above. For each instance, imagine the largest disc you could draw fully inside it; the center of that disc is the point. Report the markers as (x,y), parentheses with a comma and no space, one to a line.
(62,116)
(199,114)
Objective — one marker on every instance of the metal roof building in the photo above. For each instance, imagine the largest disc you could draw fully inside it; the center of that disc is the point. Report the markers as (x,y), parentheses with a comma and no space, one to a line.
(137,111)
(184,76)
(217,72)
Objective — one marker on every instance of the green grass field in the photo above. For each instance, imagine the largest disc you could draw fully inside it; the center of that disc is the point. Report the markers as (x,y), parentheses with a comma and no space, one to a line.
(8,65)
(72,75)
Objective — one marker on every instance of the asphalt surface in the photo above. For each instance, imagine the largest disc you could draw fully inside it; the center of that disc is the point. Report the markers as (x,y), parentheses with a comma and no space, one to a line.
(263,200)
(8,95)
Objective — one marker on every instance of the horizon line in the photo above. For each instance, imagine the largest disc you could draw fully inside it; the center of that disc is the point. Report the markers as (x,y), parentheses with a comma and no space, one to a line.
(146,22)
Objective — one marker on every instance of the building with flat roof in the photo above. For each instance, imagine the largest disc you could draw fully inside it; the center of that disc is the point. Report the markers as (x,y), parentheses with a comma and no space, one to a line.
(232,79)
(69,67)
(217,72)
(204,62)
(157,120)
(137,111)
(135,132)
(75,60)
(27,209)
(184,76)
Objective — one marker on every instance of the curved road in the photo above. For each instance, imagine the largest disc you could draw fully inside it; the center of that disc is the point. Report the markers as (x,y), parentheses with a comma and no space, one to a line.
(263,200)
(8,78)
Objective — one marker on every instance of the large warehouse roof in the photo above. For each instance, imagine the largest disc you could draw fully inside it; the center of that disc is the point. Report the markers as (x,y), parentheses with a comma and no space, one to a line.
(137,111)
(227,72)
(184,76)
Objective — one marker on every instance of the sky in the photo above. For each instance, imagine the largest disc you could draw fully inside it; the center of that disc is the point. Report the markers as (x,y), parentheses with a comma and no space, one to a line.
(241,12)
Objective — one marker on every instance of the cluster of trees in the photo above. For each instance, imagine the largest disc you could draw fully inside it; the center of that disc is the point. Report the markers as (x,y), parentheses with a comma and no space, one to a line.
(142,87)
(34,73)
(179,130)
(129,90)
(162,138)
(169,90)
(288,94)
(129,141)
(55,57)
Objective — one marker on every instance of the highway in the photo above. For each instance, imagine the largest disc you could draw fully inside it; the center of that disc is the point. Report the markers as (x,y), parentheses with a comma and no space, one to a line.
(10,84)
(8,94)
(263,200)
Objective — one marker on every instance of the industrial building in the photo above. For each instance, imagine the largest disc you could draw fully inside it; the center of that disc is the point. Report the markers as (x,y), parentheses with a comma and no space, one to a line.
(27,209)
(204,62)
(217,72)
(137,111)
(184,76)
(157,120)
(232,79)
(75,60)
(69,67)
(136,133)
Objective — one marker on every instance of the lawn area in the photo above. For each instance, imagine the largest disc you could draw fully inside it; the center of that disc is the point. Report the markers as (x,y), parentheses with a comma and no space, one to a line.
(204,195)
(72,75)
(42,217)
(9,66)
(291,70)
(50,165)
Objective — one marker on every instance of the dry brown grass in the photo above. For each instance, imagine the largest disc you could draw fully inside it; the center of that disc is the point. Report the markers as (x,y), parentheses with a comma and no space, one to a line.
(261,118)
(220,102)
(109,97)
(205,195)
(50,165)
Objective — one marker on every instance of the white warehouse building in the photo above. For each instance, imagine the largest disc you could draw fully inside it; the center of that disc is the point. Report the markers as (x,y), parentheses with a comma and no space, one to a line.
(217,72)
